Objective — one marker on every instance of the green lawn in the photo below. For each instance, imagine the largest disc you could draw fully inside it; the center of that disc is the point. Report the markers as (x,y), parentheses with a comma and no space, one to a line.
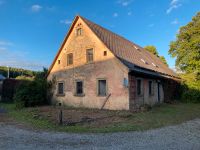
(159,116)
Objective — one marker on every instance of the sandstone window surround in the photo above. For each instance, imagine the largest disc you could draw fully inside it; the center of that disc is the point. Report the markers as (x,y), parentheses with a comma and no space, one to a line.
(79,85)
(60,88)
(69,59)
(79,31)
(89,55)
(102,87)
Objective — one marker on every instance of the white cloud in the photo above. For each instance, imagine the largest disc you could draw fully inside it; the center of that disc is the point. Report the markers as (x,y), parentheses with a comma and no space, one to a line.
(115,15)
(66,21)
(5,43)
(129,13)
(36,8)
(16,58)
(174,22)
(124,2)
(151,25)
(174,4)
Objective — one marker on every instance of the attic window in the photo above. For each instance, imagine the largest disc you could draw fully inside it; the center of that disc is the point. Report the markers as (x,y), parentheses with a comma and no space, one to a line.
(154,65)
(144,61)
(79,31)
(58,61)
(105,53)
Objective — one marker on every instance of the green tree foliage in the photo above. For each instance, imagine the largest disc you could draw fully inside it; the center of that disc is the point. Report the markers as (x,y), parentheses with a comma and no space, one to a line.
(186,47)
(14,72)
(163,60)
(186,50)
(33,93)
(152,49)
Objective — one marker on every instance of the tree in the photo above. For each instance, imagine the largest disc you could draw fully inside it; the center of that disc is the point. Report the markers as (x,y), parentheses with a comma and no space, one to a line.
(163,60)
(152,49)
(186,47)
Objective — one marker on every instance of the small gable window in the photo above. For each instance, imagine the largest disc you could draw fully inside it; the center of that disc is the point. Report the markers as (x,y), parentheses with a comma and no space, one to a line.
(69,59)
(58,61)
(105,53)
(79,31)
(89,55)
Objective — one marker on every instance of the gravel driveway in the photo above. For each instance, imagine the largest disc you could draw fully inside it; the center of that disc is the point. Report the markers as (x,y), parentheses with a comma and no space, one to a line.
(180,137)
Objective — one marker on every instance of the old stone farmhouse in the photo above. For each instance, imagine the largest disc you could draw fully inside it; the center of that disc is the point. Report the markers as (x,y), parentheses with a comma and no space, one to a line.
(97,68)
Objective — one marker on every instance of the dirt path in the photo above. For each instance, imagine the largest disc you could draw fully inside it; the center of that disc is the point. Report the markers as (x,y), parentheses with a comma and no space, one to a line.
(185,136)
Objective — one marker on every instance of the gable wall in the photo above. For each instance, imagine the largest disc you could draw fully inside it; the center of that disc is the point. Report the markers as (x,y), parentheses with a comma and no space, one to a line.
(107,67)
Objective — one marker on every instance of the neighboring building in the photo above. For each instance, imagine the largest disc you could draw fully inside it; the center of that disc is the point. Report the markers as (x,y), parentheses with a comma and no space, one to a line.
(97,68)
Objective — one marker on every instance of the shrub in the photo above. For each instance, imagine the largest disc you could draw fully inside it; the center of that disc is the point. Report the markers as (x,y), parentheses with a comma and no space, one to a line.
(33,93)
(190,89)
(8,89)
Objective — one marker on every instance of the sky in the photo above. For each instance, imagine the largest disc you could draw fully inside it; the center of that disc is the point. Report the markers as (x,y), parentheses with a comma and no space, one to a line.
(31,31)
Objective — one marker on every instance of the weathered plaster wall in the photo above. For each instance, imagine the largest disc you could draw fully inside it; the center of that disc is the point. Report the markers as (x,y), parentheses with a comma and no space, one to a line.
(106,67)
(138,100)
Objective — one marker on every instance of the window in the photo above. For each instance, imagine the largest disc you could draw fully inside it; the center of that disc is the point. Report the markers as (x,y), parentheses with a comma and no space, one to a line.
(89,55)
(60,88)
(69,59)
(105,53)
(79,31)
(58,61)
(79,87)
(102,88)
(150,87)
(139,86)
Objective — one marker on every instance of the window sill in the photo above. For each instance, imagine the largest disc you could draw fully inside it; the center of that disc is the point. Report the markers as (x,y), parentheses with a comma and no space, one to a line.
(91,62)
(79,95)
(102,95)
(60,95)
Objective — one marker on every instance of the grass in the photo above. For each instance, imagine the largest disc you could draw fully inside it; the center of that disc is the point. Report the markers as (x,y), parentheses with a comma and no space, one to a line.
(159,116)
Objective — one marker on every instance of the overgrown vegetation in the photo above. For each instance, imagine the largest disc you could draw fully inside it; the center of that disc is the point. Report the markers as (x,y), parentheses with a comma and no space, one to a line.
(164,115)
(33,92)
(15,72)
(186,49)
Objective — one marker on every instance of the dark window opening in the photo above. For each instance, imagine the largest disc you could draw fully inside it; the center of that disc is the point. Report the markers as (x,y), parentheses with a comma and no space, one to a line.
(102,91)
(139,87)
(150,88)
(58,61)
(69,59)
(105,53)
(89,55)
(79,87)
(60,88)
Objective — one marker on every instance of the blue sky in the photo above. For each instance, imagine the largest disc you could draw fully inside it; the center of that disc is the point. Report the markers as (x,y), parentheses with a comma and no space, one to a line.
(31,31)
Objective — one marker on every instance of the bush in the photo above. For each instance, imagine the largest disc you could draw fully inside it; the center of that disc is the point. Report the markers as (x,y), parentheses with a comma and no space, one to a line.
(190,89)
(33,93)
(9,88)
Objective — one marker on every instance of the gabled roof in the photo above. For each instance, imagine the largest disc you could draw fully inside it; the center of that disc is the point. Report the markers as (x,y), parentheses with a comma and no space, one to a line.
(130,54)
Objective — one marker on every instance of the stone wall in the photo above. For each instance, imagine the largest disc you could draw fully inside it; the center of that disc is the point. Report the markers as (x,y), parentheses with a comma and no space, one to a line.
(138,100)
(104,67)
